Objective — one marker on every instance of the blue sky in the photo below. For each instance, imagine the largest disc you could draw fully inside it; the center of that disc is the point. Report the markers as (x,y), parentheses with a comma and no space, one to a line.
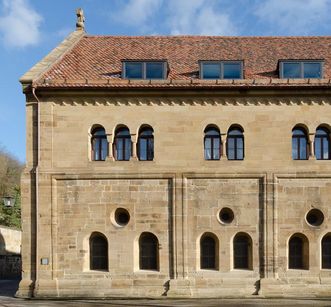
(29,29)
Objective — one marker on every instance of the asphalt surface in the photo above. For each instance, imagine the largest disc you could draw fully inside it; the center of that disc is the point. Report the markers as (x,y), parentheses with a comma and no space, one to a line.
(8,289)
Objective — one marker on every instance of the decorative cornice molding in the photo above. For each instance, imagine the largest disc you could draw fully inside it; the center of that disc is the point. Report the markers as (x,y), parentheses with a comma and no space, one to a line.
(178,101)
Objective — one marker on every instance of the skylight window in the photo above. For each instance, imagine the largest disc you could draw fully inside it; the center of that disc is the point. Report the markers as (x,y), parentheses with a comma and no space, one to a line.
(301,69)
(221,70)
(144,70)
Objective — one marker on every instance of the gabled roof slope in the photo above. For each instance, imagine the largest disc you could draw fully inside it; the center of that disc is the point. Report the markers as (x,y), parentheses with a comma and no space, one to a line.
(96,60)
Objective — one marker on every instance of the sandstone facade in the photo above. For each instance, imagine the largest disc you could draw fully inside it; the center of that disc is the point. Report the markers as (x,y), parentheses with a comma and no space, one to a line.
(178,196)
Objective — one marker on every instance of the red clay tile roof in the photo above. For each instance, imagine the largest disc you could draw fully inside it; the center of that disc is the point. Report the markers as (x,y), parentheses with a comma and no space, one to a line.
(96,60)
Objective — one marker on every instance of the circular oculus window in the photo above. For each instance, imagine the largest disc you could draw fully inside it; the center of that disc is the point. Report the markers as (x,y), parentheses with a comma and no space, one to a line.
(226,215)
(122,216)
(315,217)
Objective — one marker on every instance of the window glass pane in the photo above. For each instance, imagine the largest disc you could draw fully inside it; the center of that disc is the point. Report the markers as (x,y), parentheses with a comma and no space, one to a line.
(142,149)
(235,132)
(231,70)
(325,148)
(291,70)
(119,149)
(295,149)
(211,71)
(303,149)
(154,70)
(96,144)
(312,70)
(230,153)
(150,149)
(127,149)
(133,70)
(326,253)
(207,148)
(318,153)
(216,153)
(104,149)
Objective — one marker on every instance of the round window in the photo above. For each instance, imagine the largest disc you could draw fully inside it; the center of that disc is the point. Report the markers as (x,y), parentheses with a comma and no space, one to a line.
(122,216)
(315,217)
(226,215)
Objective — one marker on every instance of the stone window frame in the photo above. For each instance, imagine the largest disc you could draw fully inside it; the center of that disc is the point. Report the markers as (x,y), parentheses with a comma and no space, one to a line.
(93,236)
(212,138)
(298,260)
(323,137)
(122,139)
(236,138)
(154,260)
(148,138)
(95,128)
(203,265)
(248,258)
(299,137)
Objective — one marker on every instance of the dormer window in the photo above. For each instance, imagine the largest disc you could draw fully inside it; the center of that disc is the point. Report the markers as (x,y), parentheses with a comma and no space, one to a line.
(144,70)
(301,69)
(221,69)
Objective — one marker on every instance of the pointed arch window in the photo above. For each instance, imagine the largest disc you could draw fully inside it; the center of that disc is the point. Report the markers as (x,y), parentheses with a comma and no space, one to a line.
(146,144)
(98,252)
(322,144)
(298,257)
(148,252)
(235,144)
(212,143)
(99,144)
(326,252)
(299,144)
(208,252)
(242,251)
(122,144)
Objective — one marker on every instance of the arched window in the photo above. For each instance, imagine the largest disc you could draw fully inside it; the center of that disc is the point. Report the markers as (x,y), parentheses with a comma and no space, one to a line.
(322,144)
(122,144)
(242,251)
(212,143)
(146,144)
(99,144)
(148,252)
(98,252)
(299,144)
(326,252)
(235,144)
(208,252)
(298,257)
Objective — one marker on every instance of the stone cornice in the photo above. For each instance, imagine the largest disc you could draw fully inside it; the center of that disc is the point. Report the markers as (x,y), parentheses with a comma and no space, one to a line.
(185,101)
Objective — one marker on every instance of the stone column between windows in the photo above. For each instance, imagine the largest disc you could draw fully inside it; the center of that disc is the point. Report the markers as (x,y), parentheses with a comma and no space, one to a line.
(134,146)
(311,145)
(223,140)
(110,155)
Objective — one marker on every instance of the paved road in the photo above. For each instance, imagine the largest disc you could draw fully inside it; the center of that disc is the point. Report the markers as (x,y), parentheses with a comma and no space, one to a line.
(8,289)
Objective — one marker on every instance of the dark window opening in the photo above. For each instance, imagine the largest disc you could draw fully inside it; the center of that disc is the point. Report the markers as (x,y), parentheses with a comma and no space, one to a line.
(299,144)
(212,143)
(146,144)
(148,252)
(98,252)
(226,215)
(208,253)
(326,252)
(122,216)
(221,69)
(122,144)
(322,144)
(242,252)
(99,144)
(298,253)
(235,144)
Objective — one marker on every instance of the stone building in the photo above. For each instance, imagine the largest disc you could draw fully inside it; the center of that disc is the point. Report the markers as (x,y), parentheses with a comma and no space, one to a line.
(10,253)
(189,166)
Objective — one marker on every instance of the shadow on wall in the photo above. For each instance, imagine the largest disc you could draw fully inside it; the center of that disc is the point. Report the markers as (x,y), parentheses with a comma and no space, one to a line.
(10,262)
